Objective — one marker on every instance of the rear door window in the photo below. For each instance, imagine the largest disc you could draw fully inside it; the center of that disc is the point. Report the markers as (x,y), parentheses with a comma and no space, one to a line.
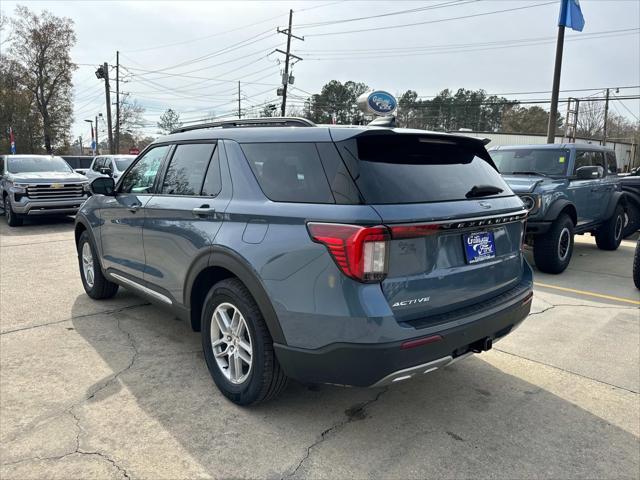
(289,172)
(392,169)
(187,168)
(212,182)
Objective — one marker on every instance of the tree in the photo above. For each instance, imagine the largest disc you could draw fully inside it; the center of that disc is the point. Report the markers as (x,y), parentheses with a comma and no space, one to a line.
(131,115)
(533,119)
(40,47)
(335,100)
(590,119)
(269,110)
(169,121)
(409,110)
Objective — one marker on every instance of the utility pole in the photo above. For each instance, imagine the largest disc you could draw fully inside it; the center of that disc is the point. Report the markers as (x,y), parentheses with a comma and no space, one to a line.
(81,149)
(239,109)
(97,143)
(285,77)
(606,115)
(553,111)
(117,102)
(103,72)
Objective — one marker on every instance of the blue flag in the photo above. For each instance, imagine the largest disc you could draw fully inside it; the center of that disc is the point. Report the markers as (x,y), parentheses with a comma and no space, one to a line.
(571,15)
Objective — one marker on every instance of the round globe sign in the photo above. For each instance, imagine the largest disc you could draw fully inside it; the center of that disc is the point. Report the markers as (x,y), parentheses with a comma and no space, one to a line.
(378,102)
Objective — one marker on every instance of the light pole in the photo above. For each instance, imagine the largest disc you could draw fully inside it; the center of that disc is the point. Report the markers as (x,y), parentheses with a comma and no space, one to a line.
(93,138)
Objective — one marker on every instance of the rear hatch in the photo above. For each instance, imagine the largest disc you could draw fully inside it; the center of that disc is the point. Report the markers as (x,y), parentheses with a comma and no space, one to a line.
(456,227)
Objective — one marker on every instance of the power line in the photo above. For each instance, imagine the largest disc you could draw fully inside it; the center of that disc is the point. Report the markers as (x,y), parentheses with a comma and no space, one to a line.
(626,108)
(184,42)
(390,27)
(462,48)
(407,48)
(388,14)
(228,49)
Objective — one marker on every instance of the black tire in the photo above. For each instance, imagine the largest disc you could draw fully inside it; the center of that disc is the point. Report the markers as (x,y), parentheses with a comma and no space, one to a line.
(552,251)
(264,378)
(13,219)
(100,288)
(632,214)
(609,235)
(636,266)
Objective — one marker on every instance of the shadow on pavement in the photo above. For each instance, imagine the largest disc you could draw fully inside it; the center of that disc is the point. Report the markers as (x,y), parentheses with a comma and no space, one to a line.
(164,417)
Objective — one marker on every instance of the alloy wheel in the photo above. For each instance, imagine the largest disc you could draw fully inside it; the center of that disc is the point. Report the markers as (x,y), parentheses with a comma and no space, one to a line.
(231,343)
(87,264)
(620,223)
(7,209)
(564,243)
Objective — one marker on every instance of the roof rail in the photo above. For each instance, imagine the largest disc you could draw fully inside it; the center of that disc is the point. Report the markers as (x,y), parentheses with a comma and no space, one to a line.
(251,122)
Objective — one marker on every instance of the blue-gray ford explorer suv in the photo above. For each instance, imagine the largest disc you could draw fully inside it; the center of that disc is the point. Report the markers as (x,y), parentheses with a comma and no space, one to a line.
(353,256)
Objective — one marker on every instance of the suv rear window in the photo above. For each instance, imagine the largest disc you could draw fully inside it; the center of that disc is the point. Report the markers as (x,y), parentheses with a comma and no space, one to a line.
(391,169)
(289,172)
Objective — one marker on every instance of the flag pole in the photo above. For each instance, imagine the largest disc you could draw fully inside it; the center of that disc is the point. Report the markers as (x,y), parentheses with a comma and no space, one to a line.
(553,111)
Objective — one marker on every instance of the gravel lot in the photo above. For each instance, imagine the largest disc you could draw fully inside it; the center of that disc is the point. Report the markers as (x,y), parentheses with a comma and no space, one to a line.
(119,389)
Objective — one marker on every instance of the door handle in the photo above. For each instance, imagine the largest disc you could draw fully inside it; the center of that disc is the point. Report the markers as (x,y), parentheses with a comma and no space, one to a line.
(203,211)
(134,208)
(595,189)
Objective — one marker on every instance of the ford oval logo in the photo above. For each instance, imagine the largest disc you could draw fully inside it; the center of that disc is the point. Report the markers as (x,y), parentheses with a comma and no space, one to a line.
(381,103)
(485,205)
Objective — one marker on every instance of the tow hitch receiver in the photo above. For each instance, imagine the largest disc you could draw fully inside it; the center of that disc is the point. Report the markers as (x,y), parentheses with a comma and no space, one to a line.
(482,345)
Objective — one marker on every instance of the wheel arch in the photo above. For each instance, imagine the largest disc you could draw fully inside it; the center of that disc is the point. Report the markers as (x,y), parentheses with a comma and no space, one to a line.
(224,263)
(562,206)
(618,198)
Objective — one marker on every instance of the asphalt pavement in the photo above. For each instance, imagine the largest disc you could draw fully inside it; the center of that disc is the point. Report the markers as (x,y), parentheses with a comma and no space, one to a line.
(119,389)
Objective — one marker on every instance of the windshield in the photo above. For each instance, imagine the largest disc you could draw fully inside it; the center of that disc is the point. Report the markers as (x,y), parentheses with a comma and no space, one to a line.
(37,164)
(530,160)
(123,162)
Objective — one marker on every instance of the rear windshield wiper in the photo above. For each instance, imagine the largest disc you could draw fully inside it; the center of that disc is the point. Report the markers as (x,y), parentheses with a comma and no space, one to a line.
(482,191)
(528,173)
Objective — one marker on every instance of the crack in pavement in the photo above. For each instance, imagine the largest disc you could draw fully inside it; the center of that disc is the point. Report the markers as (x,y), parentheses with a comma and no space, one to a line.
(35,243)
(562,305)
(79,429)
(104,312)
(354,413)
(120,469)
(566,371)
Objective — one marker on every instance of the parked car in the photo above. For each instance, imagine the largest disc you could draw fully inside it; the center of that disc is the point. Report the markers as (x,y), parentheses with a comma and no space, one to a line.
(109,165)
(79,163)
(39,185)
(351,256)
(631,188)
(568,189)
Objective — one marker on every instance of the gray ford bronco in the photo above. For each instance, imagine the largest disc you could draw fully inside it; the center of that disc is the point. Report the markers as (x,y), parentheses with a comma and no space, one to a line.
(568,189)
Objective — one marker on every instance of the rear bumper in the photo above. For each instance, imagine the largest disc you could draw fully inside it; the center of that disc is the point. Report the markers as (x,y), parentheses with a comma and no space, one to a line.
(380,364)
(48,207)
(537,228)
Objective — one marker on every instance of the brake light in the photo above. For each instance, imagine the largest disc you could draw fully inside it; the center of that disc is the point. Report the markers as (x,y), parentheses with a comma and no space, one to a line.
(360,252)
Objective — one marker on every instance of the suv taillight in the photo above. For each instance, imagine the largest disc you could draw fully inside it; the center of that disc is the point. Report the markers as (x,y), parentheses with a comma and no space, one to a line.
(360,252)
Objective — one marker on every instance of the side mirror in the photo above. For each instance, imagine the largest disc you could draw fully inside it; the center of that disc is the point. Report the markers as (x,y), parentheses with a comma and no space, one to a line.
(103,186)
(105,170)
(589,172)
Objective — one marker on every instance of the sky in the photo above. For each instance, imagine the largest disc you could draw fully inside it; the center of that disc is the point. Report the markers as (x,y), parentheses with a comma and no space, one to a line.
(189,56)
